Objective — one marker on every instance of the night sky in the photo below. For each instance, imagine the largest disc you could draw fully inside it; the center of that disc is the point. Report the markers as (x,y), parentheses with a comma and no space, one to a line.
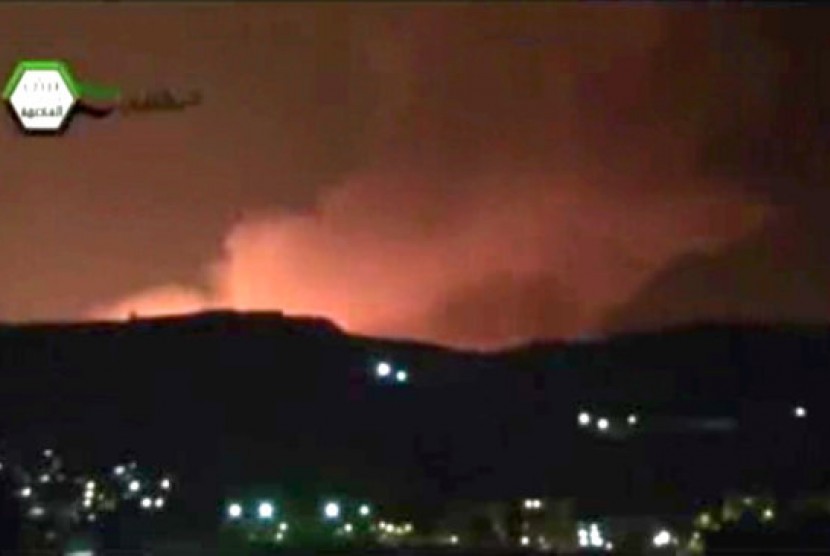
(470,174)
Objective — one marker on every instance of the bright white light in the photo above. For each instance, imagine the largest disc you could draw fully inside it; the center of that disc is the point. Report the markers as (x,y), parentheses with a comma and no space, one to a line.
(583,538)
(537,504)
(283,526)
(584,419)
(146,503)
(159,503)
(384,369)
(134,486)
(768,514)
(90,485)
(632,419)
(364,510)
(25,492)
(234,511)
(525,541)
(87,503)
(279,537)
(800,412)
(407,527)
(165,484)
(348,528)
(662,538)
(603,424)
(401,376)
(609,546)
(119,470)
(454,539)
(528,504)
(45,478)
(265,510)
(332,510)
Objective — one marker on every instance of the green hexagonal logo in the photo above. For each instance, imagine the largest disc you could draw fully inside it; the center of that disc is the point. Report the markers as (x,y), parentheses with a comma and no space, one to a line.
(41,93)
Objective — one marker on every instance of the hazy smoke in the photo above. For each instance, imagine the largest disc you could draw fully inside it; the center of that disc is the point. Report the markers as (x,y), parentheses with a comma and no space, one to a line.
(524,170)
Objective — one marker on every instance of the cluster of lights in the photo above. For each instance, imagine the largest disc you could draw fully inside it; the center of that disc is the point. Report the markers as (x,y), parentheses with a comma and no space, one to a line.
(399,529)
(603,424)
(265,511)
(37,488)
(532,504)
(663,538)
(384,371)
(590,536)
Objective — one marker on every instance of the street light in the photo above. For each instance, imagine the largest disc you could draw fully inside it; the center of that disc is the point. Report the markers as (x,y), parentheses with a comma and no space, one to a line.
(584,419)
(364,510)
(662,538)
(331,510)
(603,424)
(383,369)
(265,510)
(401,376)
(235,511)
(146,503)
(134,486)
(800,412)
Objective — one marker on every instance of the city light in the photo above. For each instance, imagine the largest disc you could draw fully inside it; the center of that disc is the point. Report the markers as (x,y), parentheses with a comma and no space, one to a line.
(26,492)
(134,486)
(45,478)
(384,369)
(265,510)
(159,503)
(283,526)
(90,485)
(584,419)
(235,511)
(364,510)
(525,541)
(146,503)
(348,528)
(532,504)
(662,538)
(165,484)
(603,424)
(454,539)
(769,514)
(800,412)
(401,376)
(632,420)
(48,453)
(36,512)
(331,510)
(119,470)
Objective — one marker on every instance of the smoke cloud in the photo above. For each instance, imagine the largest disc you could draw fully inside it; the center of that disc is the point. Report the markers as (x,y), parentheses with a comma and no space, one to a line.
(524,169)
